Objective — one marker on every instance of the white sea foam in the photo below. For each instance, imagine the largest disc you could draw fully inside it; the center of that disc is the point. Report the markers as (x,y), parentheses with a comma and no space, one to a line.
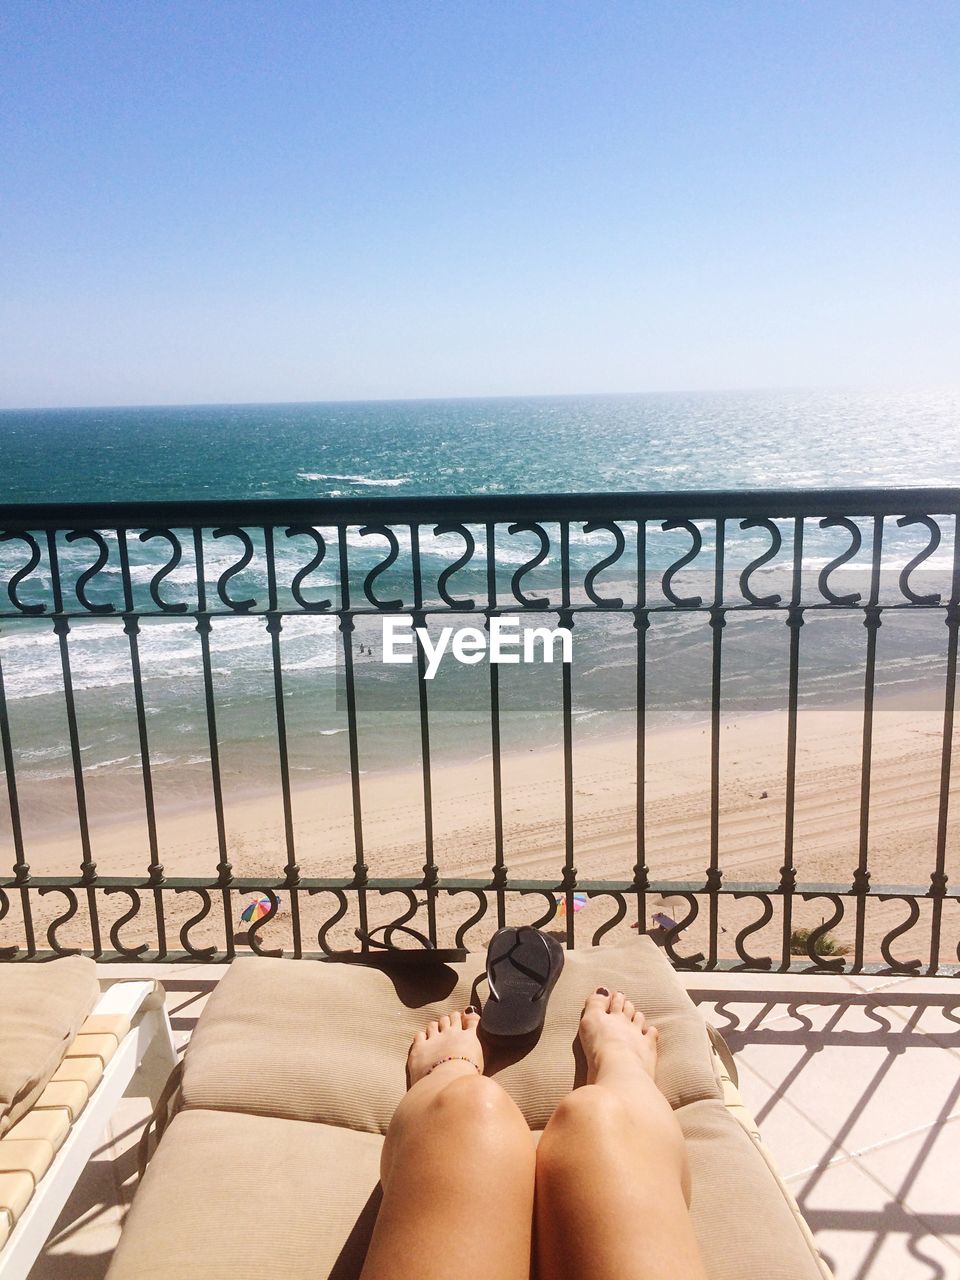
(316,662)
(377,543)
(373,482)
(892,563)
(169,652)
(119,762)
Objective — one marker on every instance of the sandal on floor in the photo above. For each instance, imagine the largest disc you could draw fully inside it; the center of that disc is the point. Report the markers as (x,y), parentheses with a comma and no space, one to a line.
(522,969)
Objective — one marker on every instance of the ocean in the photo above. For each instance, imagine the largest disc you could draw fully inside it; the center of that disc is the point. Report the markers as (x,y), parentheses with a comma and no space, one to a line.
(532,445)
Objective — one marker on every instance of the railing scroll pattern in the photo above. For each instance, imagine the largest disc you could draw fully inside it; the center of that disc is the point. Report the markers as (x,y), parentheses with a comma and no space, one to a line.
(572,558)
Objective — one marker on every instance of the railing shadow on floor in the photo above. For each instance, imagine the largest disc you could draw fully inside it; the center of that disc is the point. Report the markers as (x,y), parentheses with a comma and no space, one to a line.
(757,1017)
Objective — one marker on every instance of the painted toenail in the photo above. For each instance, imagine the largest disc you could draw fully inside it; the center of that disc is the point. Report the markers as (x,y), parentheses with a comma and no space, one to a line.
(602,991)
(471,1008)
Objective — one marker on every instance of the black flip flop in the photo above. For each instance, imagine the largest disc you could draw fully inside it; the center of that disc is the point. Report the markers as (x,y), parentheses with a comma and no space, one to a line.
(522,969)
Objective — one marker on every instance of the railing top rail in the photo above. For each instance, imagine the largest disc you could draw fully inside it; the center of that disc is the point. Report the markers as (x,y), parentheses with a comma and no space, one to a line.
(139,561)
(703,503)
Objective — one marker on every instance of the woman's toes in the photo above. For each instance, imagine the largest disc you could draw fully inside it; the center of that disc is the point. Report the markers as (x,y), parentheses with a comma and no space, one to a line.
(639,1019)
(599,999)
(629,1010)
(450,1038)
(616,1002)
(471,1018)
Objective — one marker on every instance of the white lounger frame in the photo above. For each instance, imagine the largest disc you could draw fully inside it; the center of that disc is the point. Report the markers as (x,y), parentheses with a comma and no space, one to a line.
(148,1048)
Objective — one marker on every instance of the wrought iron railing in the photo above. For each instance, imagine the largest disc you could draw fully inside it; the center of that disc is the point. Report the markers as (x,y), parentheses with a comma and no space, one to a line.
(627,560)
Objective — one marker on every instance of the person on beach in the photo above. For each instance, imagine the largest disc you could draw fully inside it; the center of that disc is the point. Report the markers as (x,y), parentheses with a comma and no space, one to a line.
(469,1195)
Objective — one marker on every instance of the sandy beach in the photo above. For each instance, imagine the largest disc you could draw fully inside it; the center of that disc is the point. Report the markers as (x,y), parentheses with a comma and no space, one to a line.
(902,830)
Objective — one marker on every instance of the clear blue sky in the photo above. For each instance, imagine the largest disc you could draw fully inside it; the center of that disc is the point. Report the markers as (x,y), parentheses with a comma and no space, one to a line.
(235,200)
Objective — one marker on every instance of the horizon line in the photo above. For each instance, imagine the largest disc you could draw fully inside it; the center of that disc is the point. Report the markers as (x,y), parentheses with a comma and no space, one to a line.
(835,388)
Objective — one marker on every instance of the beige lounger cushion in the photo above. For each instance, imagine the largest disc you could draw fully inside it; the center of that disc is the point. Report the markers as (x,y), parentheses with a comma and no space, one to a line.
(41,1009)
(280,1037)
(219,1182)
(227,1196)
(286,1042)
(746,1225)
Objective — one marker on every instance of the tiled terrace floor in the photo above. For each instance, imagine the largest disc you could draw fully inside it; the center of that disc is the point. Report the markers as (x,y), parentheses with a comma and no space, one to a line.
(855,1083)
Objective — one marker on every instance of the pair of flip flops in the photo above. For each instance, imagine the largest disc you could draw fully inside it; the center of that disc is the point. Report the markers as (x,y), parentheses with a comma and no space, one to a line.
(523,966)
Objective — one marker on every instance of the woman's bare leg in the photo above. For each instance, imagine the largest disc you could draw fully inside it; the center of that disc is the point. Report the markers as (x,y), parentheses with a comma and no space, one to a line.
(457,1169)
(612,1181)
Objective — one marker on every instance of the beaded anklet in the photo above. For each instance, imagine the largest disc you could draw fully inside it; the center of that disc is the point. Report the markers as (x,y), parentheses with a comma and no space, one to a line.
(454,1057)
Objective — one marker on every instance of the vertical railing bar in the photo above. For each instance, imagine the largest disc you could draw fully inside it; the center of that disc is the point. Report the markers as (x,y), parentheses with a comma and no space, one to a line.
(876,558)
(569,879)
(430,874)
(131,625)
(938,880)
(641,622)
(499,866)
(21,871)
(126,578)
(204,626)
(61,627)
(796,585)
(274,627)
(270,552)
(717,623)
(565,563)
(491,541)
(788,875)
(360,869)
(54,571)
(871,620)
(415,568)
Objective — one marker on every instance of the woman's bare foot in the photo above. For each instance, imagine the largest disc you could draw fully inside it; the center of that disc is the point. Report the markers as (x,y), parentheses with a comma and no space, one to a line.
(617,1041)
(452,1037)
(620,1047)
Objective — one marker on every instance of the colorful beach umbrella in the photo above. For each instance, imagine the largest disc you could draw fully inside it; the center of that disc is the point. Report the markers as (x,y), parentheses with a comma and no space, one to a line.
(256,910)
(580,900)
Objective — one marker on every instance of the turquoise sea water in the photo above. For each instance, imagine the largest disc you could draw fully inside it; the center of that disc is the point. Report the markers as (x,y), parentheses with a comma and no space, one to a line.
(590,443)
(565,444)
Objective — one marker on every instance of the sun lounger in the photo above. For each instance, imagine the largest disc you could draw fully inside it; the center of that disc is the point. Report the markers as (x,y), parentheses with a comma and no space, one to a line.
(68,1053)
(294,1071)
(726,1069)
